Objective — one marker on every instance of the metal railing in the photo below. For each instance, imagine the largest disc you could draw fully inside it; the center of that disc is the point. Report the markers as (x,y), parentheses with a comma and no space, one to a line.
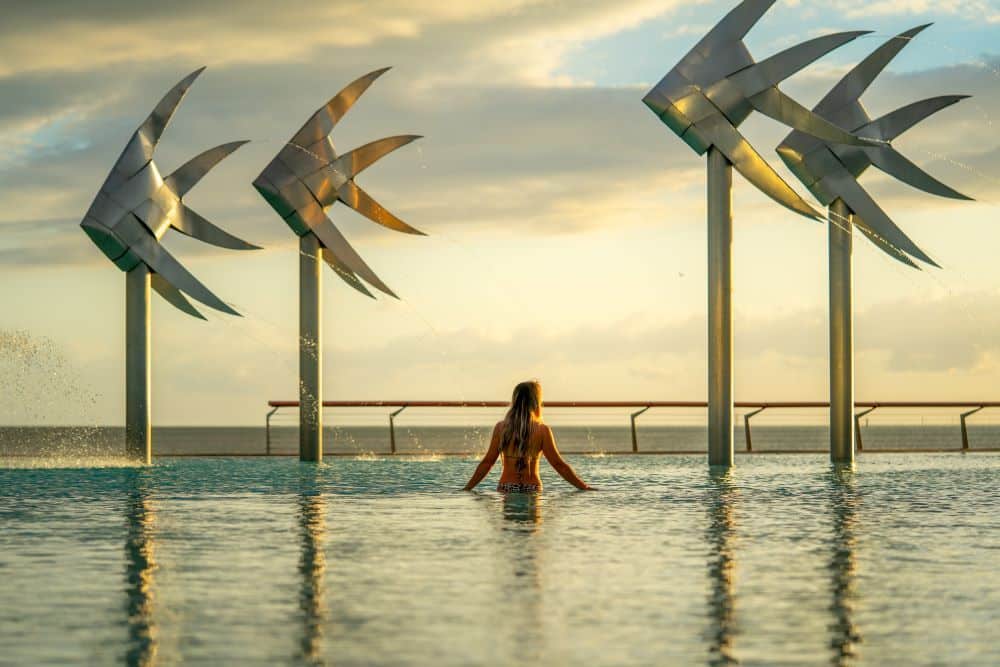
(644,406)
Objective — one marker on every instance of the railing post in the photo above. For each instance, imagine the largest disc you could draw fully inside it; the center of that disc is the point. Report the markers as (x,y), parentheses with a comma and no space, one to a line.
(965,430)
(857,426)
(267,430)
(392,429)
(635,439)
(746,425)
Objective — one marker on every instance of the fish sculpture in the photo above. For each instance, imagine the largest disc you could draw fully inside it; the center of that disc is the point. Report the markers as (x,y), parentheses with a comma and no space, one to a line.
(831,171)
(136,206)
(718,84)
(308,176)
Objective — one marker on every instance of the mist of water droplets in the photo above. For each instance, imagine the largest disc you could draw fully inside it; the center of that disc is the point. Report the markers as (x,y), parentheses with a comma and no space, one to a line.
(47,409)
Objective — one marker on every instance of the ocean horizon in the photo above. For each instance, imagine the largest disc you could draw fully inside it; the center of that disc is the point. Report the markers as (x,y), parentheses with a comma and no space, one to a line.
(108,441)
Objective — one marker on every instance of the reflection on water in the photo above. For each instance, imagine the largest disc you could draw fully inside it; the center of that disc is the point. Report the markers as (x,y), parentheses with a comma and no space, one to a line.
(221,562)
(522,512)
(140,568)
(312,568)
(844,505)
(522,522)
(721,538)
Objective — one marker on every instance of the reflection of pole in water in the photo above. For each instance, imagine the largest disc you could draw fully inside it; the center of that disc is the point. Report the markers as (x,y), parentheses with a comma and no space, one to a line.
(721,537)
(844,634)
(312,567)
(140,566)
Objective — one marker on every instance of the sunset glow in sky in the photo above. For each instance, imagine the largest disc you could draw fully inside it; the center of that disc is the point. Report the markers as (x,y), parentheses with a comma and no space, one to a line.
(566,223)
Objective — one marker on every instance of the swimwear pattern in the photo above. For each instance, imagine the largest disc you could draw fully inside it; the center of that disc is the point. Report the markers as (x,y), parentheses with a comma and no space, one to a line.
(514,487)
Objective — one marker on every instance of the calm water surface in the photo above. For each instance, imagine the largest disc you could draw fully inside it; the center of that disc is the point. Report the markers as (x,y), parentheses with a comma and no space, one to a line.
(380,562)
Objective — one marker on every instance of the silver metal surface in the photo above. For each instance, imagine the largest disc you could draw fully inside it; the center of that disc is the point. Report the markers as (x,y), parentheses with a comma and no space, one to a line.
(129,215)
(831,173)
(718,84)
(720,309)
(704,99)
(308,176)
(310,349)
(841,334)
(831,170)
(135,206)
(138,416)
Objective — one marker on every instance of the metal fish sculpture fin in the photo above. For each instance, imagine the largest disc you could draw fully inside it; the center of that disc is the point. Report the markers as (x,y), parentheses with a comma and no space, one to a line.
(173,296)
(190,222)
(759,84)
(187,175)
(344,273)
(773,70)
(850,88)
(884,245)
(774,103)
(335,242)
(893,124)
(862,204)
(353,162)
(139,150)
(159,260)
(756,170)
(352,195)
(326,118)
(895,164)
(158,120)
(735,25)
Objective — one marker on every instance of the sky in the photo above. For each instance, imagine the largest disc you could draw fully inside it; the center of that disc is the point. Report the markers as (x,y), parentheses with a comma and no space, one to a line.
(566,224)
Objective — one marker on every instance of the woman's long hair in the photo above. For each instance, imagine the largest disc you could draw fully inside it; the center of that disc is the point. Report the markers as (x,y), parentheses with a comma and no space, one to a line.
(525,403)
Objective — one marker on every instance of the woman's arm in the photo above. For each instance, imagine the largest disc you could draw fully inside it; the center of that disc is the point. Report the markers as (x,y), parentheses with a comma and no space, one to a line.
(556,460)
(489,459)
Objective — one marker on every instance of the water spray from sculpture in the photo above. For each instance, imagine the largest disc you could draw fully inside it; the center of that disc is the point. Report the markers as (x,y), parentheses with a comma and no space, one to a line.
(704,99)
(831,172)
(300,183)
(130,214)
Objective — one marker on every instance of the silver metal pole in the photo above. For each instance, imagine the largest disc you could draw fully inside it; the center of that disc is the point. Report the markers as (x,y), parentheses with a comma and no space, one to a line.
(841,230)
(720,309)
(138,417)
(310,349)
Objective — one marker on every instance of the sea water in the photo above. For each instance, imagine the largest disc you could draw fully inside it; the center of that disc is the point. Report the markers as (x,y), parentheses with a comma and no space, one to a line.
(83,444)
(382,561)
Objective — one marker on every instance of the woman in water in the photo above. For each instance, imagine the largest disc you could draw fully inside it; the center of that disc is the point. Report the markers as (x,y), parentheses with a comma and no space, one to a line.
(521,438)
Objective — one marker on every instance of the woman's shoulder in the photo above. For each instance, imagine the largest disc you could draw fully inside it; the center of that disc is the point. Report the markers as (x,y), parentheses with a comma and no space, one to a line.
(541,428)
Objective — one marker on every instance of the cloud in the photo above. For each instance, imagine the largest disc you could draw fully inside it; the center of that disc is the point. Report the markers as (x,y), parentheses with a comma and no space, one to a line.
(516,156)
(971,9)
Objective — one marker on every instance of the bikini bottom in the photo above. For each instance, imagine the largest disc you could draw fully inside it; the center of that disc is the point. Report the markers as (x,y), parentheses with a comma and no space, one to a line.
(514,487)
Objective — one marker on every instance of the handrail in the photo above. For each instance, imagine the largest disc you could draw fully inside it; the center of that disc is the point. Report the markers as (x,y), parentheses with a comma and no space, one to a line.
(640,404)
(644,406)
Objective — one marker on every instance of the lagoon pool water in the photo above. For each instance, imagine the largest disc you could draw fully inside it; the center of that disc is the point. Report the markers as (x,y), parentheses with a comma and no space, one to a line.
(379,561)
